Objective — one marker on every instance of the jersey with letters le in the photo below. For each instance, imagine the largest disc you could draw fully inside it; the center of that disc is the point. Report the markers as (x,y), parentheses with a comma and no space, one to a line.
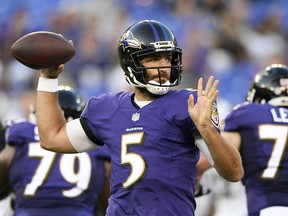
(153,152)
(264,132)
(49,184)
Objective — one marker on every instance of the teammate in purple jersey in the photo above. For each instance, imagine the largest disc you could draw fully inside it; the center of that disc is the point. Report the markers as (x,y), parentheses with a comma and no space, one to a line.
(153,134)
(46,183)
(259,129)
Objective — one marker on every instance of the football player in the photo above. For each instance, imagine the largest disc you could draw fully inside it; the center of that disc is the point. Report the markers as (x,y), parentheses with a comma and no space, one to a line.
(153,134)
(46,183)
(258,128)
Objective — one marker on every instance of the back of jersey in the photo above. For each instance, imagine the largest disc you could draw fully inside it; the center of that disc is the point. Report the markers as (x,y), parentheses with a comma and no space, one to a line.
(264,132)
(46,183)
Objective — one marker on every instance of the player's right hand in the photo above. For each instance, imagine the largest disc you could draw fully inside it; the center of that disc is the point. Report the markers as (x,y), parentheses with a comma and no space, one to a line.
(52,73)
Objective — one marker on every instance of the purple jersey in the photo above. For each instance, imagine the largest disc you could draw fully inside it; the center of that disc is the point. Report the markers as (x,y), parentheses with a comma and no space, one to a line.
(48,184)
(153,152)
(264,132)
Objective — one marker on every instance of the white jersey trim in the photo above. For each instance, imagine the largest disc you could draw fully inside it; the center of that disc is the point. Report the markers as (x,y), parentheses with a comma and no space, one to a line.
(200,143)
(78,137)
(274,211)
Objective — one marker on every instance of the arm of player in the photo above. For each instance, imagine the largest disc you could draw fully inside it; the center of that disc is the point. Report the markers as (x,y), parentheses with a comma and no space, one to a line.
(227,160)
(50,118)
(234,138)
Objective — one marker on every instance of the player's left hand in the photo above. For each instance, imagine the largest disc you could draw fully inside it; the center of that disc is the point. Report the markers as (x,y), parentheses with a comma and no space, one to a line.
(201,111)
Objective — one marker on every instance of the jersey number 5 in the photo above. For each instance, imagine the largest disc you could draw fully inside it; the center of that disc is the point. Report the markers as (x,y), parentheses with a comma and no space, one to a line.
(136,161)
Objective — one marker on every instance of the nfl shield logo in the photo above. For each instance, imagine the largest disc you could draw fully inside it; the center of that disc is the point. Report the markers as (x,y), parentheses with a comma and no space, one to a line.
(135,117)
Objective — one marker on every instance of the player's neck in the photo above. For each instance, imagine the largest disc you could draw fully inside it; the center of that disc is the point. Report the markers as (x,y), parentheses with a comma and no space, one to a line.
(141,103)
(142,94)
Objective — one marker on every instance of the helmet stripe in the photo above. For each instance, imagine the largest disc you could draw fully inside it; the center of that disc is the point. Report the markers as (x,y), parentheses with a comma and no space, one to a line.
(156,35)
(159,32)
(165,33)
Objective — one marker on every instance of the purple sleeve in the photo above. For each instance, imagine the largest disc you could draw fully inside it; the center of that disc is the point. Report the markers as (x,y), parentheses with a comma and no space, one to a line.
(22,133)
(235,118)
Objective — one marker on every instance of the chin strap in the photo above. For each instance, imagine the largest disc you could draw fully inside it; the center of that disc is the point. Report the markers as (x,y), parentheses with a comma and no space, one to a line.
(152,86)
(157,90)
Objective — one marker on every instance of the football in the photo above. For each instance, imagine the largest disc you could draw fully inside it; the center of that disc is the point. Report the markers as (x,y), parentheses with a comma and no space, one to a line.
(42,50)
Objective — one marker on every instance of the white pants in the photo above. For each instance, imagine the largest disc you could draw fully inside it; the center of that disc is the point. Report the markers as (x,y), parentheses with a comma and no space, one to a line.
(5,206)
(204,204)
(274,211)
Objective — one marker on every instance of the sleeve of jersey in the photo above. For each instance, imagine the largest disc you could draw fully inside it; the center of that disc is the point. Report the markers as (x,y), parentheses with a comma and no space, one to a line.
(233,120)
(82,132)
(200,143)
(19,134)
(78,137)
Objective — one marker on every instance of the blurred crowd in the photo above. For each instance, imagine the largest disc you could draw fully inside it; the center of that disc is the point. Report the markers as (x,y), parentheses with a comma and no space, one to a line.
(231,39)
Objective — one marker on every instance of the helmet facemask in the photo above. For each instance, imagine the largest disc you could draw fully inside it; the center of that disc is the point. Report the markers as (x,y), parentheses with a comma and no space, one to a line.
(137,72)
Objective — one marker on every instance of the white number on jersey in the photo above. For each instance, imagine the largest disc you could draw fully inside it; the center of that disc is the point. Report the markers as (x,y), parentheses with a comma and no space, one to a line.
(67,163)
(279,134)
(137,163)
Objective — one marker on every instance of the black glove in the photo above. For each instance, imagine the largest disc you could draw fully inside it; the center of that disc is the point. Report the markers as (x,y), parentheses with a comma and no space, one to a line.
(202,191)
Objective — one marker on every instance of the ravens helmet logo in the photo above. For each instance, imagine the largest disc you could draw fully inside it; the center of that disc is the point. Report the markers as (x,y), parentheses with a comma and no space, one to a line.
(128,40)
(215,116)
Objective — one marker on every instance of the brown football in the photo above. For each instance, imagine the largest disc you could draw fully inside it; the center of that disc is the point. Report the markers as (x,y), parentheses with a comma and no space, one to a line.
(42,50)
